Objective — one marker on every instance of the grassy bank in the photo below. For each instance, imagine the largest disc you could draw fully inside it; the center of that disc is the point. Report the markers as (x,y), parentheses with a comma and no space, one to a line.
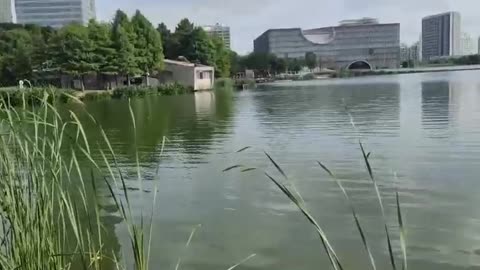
(15,96)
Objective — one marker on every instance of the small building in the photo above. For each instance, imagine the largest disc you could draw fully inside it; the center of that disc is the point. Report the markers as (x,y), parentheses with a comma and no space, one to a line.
(199,77)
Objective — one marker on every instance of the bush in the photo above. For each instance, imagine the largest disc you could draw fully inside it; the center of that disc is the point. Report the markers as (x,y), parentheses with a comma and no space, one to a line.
(142,91)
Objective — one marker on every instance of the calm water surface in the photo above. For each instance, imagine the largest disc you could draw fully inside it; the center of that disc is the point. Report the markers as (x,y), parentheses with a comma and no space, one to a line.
(424,127)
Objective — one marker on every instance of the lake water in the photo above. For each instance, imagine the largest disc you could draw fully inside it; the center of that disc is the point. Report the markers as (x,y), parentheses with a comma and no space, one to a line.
(423,127)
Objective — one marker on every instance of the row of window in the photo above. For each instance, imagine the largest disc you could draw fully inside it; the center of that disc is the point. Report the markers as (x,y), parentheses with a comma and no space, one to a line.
(57,16)
(61,10)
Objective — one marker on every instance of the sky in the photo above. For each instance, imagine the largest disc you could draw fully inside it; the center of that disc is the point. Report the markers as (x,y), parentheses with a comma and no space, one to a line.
(250,18)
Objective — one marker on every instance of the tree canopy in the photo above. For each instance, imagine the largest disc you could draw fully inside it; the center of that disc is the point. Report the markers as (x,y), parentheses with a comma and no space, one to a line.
(126,46)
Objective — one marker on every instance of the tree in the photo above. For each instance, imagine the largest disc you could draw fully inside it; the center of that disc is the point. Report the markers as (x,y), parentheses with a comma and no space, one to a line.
(123,39)
(148,45)
(278,65)
(103,53)
(295,64)
(167,40)
(222,58)
(311,60)
(182,39)
(16,50)
(77,52)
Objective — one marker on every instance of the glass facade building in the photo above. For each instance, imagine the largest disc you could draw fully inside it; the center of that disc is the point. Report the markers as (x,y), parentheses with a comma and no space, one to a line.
(54,13)
(375,45)
(441,35)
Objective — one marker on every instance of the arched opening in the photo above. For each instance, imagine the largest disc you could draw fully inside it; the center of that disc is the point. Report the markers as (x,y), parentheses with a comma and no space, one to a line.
(360,65)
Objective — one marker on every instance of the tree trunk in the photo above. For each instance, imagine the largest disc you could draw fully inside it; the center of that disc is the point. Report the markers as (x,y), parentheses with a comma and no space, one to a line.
(128,80)
(83,82)
(147,79)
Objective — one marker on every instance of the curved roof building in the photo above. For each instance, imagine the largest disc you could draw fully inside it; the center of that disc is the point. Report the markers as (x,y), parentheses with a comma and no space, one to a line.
(364,42)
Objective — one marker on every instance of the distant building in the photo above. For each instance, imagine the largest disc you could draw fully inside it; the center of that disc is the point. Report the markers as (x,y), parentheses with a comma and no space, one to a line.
(220,31)
(479,45)
(199,77)
(441,35)
(54,13)
(415,52)
(410,53)
(354,44)
(469,46)
(404,52)
(6,11)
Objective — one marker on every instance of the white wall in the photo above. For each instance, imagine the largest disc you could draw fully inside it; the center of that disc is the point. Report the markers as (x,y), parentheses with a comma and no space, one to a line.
(204,78)
(184,75)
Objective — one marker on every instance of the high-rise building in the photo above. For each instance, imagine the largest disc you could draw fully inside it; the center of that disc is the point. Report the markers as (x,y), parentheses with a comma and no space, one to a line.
(6,12)
(362,44)
(220,31)
(479,45)
(469,46)
(54,13)
(441,35)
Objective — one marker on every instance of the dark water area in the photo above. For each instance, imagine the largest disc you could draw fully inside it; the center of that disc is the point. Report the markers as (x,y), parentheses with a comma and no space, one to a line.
(425,128)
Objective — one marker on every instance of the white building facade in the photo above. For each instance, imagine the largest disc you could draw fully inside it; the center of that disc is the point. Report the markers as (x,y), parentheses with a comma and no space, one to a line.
(6,11)
(469,46)
(220,31)
(54,13)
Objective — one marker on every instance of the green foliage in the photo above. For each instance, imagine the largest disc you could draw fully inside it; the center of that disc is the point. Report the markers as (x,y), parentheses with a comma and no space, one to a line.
(222,58)
(126,47)
(16,48)
(467,60)
(123,41)
(143,91)
(103,52)
(311,60)
(148,45)
(194,44)
(77,56)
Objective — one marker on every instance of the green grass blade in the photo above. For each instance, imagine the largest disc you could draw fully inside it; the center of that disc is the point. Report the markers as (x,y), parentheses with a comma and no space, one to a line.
(402,233)
(354,213)
(382,208)
(242,261)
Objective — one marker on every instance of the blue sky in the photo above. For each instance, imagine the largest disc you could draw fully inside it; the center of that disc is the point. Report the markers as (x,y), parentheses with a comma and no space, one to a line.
(250,18)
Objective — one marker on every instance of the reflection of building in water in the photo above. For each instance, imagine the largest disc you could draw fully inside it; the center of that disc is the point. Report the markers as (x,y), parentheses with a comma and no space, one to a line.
(464,101)
(436,104)
(204,103)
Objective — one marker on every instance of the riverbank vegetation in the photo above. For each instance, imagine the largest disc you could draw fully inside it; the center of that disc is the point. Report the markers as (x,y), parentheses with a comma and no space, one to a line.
(125,47)
(50,206)
(15,97)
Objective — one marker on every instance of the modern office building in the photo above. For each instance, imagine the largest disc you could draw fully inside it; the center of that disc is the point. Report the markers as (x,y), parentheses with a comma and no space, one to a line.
(441,35)
(469,46)
(221,31)
(54,13)
(6,11)
(354,44)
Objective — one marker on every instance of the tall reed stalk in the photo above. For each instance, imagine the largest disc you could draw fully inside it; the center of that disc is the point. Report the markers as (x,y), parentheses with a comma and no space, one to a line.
(48,219)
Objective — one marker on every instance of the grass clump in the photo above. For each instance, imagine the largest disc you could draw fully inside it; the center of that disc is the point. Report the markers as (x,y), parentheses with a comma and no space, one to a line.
(49,219)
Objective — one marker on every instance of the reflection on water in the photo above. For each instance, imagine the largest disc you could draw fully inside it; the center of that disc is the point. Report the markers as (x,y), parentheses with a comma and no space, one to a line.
(425,127)
(436,104)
